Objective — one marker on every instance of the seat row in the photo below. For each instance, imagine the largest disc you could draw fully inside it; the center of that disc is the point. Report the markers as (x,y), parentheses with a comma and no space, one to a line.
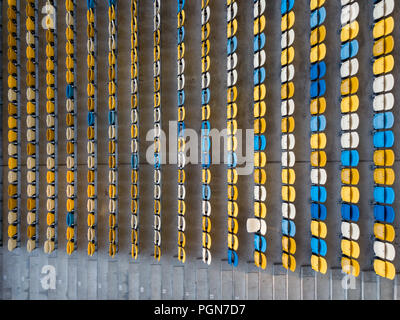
(318,139)
(257,225)
(32,123)
(112,129)
(91,127)
(134,130)
(288,139)
(51,131)
(181,140)
(14,113)
(71,136)
(232,144)
(157,120)
(205,131)
(350,175)
(383,138)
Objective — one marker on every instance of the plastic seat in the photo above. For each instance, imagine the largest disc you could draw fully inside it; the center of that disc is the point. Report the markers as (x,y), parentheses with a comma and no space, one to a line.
(319,229)
(287,21)
(350,266)
(349,31)
(318,53)
(260,244)
(350,248)
(384,195)
(349,86)
(349,13)
(383,65)
(384,250)
(318,211)
(384,176)
(350,212)
(350,231)
(384,158)
(383,83)
(350,122)
(383,27)
(383,46)
(383,139)
(288,228)
(384,269)
(350,176)
(288,262)
(287,56)
(349,50)
(286,6)
(318,35)
(318,194)
(384,213)
(317,17)
(318,141)
(384,232)
(350,158)
(349,68)
(319,264)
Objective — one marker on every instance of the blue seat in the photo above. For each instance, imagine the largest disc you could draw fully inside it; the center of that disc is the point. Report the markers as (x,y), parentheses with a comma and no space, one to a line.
(206,192)
(205,96)
(383,121)
(317,89)
(181,34)
(232,159)
(317,17)
(181,5)
(111,2)
(260,244)
(318,123)
(205,160)
(90,118)
(90,4)
(260,142)
(318,211)
(259,76)
(233,258)
(111,117)
(259,42)
(288,228)
(205,143)
(232,45)
(286,6)
(70,219)
(181,129)
(350,212)
(384,213)
(383,139)
(135,161)
(318,247)
(350,158)
(181,98)
(384,195)
(318,194)
(205,127)
(349,50)
(157,161)
(317,70)
(70,92)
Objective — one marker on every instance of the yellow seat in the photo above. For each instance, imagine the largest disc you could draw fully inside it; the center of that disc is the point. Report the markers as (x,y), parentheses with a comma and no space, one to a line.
(287,125)
(383,65)
(288,262)
(319,229)
(288,176)
(318,159)
(12,82)
(70,205)
(384,176)
(259,25)
(318,141)
(287,90)
(349,104)
(70,177)
(30,108)
(50,219)
(350,248)
(384,269)
(91,220)
(288,194)
(69,34)
(233,242)
(260,210)
(260,125)
(383,28)
(31,149)
(12,109)
(350,176)
(12,231)
(232,192)
(350,266)
(318,53)
(287,56)
(70,233)
(349,86)
(260,176)
(287,21)
(112,191)
(233,209)
(260,159)
(91,249)
(315,4)
(319,264)
(70,247)
(318,35)
(30,52)
(233,225)
(69,48)
(112,250)
(288,245)
(383,46)
(31,232)
(232,28)
(318,106)
(349,31)
(384,232)
(260,260)
(384,158)
(350,194)
(12,163)
(12,190)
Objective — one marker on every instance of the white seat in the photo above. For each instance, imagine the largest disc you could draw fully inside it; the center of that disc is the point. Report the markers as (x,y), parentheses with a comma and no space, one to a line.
(350,231)
(350,122)
(287,38)
(231,12)
(350,140)
(206,208)
(259,8)
(260,193)
(349,68)
(255,225)
(287,73)
(259,58)
(287,108)
(231,62)
(383,102)
(318,176)
(288,159)
(383,83)
(383,9)
(349,13)
(288,141)
(288,211)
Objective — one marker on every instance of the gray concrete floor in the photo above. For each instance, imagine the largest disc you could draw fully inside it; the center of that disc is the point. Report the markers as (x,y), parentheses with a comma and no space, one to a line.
(99,277)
